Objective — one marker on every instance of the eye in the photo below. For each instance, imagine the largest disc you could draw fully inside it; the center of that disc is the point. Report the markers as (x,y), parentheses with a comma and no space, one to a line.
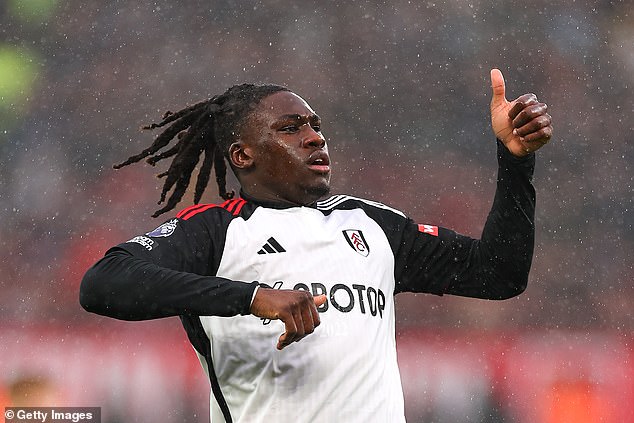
(317,128)
(290,128)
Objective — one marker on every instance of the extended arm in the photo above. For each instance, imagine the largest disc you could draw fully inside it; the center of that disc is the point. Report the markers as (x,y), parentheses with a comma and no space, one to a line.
(150,277)
(126,287)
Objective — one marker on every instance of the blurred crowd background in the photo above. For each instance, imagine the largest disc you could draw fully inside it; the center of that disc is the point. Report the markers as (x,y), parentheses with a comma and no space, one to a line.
(403,90)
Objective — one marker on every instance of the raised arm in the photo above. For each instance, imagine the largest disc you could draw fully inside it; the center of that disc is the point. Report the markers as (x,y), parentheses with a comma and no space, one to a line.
(496,266)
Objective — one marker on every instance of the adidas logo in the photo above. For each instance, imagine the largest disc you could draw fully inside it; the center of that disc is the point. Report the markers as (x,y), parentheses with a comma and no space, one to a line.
(271,247)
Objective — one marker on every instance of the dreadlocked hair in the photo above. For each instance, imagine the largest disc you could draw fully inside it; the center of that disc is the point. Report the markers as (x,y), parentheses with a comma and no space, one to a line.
(206,128)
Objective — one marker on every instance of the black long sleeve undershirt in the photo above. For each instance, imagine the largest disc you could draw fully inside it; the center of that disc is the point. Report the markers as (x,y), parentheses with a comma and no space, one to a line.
(496,266)
(504,252)
(129,288)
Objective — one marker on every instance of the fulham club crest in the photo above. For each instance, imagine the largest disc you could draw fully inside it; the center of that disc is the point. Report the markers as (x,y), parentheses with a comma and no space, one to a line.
(357,241)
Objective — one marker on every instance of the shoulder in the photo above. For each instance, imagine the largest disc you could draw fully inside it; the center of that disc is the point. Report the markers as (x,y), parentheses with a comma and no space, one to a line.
(228,209)
(347,202)
(200,221)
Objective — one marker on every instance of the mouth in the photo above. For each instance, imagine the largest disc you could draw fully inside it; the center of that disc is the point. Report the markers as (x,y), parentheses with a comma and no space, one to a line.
(319,162)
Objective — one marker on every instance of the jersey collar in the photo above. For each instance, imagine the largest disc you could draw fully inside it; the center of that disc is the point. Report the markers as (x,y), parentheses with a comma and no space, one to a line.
(272,204)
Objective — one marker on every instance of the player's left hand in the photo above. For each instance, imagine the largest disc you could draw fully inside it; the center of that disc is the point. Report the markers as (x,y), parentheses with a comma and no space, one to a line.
(522,125)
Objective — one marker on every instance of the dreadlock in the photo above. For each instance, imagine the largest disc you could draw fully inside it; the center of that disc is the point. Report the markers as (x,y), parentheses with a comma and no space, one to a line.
(208,127)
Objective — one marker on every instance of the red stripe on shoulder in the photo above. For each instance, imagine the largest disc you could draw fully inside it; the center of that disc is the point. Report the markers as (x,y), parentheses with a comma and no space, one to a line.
(195,209)
(183,212)
(234,206)
(239,207)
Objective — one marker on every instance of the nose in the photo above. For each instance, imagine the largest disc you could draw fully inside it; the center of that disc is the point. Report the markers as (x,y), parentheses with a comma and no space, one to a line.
(313,138)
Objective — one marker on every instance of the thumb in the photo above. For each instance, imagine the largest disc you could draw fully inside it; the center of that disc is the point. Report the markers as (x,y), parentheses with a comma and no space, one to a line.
(497,85)
(319,300)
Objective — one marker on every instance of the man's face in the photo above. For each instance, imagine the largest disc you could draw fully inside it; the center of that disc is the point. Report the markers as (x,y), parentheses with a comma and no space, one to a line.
(290,160)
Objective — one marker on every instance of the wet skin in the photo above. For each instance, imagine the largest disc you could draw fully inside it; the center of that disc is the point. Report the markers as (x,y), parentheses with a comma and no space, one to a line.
(282,155)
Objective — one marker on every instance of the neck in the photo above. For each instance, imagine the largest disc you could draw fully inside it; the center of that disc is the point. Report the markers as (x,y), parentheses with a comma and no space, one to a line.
(275,201)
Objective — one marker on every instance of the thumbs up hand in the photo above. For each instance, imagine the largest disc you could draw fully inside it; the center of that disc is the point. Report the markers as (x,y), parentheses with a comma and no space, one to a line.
(522,125)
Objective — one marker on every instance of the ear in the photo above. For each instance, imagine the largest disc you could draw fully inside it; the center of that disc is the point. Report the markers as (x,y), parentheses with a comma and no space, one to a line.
(241,155)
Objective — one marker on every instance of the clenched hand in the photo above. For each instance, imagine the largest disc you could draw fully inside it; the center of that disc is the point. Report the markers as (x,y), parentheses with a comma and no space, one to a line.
(297,309)
(522,125)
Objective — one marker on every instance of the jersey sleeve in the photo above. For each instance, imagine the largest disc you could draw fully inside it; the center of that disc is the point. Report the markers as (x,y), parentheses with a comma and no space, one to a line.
(166,272)
(184,245)
(496,266)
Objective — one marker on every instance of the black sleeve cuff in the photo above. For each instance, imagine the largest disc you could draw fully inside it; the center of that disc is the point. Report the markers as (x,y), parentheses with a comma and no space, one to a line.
(505,155)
